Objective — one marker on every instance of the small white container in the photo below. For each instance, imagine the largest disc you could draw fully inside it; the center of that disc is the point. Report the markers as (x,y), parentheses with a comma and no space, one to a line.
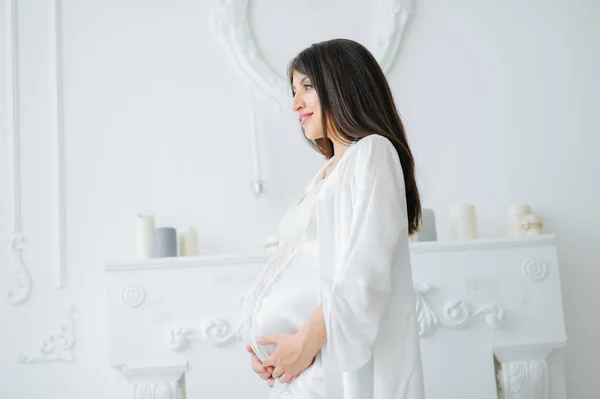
(532,225)
(514,219)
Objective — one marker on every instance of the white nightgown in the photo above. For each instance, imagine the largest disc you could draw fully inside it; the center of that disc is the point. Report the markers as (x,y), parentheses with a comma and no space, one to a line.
(286,295)
(360,255)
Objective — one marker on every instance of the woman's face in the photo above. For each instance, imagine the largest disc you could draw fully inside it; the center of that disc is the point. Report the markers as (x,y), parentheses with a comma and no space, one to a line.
(307,106)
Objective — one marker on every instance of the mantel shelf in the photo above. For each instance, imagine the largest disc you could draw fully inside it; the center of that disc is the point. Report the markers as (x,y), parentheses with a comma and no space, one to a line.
(244,259)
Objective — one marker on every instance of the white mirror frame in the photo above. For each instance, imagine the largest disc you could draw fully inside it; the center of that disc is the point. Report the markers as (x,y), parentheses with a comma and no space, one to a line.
(232,22)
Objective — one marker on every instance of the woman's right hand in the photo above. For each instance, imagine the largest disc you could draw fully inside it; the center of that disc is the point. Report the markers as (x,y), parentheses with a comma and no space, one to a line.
(264,372)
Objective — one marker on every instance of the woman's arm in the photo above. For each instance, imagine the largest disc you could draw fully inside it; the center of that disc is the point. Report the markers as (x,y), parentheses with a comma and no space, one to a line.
(314,333)
(354,303)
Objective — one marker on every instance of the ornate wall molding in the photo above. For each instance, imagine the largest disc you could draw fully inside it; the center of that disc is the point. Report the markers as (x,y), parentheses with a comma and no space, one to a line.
(534,269)
(133,295)
(212,331)
(57,147)
(22,278)
(231,21)
(523,372)
(162,382)
(455,313)
(58,347)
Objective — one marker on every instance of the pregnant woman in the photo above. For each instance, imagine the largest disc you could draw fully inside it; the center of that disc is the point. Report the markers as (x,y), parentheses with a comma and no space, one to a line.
(332,314)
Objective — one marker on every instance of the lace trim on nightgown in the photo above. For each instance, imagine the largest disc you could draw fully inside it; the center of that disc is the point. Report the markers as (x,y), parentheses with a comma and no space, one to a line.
(286,252)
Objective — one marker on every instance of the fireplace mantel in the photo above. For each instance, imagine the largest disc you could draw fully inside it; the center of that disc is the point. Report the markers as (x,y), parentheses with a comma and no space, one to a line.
(490,316)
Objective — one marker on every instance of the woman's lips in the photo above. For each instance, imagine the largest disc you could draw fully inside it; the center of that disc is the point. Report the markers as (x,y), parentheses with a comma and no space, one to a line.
(304,117)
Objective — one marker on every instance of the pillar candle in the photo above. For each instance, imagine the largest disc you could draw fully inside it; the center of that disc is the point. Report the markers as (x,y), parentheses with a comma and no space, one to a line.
(427,229)
(144,229)
(188,242)
(463,222)
(165,242)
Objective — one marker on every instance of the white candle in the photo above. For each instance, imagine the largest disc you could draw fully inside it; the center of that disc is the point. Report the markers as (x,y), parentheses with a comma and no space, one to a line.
(463,222)
(514,219)
(144,229)
(188,242)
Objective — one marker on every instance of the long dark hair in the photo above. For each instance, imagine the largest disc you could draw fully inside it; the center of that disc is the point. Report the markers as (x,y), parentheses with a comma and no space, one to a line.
(356,101)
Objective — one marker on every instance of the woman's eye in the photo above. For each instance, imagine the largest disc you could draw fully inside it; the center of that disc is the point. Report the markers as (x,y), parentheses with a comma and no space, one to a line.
(307,86)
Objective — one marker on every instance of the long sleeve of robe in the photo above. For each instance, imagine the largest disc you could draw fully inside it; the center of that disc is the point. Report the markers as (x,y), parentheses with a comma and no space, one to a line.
(365,278)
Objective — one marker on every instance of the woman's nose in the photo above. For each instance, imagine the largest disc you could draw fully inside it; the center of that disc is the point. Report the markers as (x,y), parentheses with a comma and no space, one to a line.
(297,103)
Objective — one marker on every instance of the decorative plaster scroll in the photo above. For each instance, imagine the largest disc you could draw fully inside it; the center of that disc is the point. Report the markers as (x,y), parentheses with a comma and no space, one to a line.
(524,379)
(133,295)
(426,316)
(534,269)
(163,382)
(157,390)
(455,314)
(58,346)
(213,331)
(231,20)
(492,315)
(21,292)
(57,147)
(523,370)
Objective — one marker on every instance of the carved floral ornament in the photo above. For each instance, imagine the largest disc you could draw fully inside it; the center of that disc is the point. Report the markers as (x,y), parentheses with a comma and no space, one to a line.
(58,346)
(534,269)
(523,371)
(133,295)
(231,21)
(157,390)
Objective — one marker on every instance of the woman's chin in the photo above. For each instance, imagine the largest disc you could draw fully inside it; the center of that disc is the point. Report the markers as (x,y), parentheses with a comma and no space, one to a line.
(312,136)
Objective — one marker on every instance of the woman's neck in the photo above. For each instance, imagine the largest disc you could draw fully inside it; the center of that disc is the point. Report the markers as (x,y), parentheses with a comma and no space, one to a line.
(338,150)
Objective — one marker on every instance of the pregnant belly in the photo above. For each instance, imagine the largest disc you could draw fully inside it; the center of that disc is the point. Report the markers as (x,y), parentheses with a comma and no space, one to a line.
(288,303)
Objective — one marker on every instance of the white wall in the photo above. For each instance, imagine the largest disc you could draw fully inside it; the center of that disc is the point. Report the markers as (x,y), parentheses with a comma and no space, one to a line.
(497,99)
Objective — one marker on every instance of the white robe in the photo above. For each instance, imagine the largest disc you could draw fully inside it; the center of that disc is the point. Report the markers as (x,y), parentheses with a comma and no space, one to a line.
(364,278)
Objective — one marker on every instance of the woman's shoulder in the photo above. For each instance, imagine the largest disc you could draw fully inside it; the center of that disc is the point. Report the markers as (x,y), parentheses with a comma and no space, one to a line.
(372,150)
(374,142)
(366,154)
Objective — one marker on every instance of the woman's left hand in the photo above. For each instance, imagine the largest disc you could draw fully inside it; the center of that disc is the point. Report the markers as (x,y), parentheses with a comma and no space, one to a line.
(291,357)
